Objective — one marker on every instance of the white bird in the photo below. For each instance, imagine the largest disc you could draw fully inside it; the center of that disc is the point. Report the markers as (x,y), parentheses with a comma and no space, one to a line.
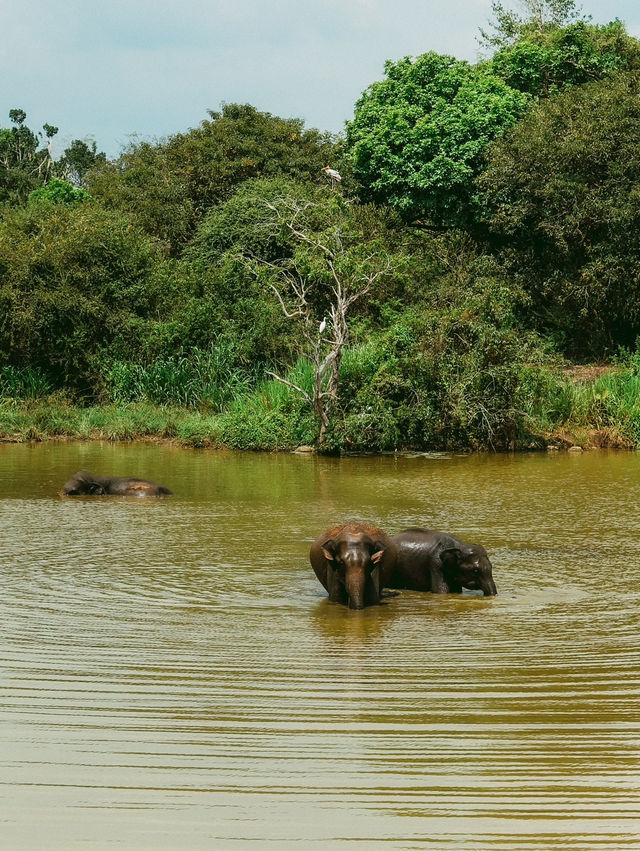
(333,174)
(323,325)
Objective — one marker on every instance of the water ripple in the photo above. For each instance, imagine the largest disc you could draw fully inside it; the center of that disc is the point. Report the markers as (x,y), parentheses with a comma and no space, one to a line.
(175,678)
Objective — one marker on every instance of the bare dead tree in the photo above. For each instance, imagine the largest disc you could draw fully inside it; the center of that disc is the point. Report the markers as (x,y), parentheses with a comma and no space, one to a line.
(323,339)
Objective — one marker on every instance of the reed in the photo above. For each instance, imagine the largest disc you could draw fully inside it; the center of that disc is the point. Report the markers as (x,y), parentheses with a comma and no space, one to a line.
(209,379)
(23,383)
(273,415)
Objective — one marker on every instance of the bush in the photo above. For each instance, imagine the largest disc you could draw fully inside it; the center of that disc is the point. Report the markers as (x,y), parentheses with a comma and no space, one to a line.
(71,278)
(23,383)
(59,192)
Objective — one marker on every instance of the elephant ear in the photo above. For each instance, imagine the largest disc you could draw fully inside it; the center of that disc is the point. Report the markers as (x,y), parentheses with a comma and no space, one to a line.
(95,489)
(328,549)
(451,556)
(378,552)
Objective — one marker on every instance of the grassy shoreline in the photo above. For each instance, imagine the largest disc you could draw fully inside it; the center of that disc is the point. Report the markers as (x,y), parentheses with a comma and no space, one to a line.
(49,419)
(593,417)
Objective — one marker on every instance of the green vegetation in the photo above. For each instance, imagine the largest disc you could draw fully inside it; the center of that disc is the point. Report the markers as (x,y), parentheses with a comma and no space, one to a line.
(215,288)
(417,138)
(561,205)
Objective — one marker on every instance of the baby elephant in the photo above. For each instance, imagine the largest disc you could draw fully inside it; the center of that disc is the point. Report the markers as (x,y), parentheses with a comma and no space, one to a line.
(441,563)
(88,484)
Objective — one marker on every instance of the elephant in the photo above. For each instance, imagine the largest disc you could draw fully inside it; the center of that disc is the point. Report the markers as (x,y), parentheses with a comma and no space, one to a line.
(436,561)
(88,484)
(353,562)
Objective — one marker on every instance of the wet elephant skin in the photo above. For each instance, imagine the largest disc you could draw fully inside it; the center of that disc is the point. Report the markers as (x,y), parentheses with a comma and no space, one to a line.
(434,561)
(89,484)
(353,562)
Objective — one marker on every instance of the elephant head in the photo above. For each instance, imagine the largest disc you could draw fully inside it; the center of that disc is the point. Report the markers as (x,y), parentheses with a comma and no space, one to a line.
(468,566)
(351,562)
(83,484)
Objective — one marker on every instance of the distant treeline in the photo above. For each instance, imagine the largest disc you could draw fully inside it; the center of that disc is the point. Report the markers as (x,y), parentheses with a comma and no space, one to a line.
(485,233)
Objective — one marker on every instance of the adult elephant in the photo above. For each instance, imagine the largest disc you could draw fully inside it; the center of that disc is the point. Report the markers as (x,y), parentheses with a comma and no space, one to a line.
(353,562)
(89,484)
(441,563)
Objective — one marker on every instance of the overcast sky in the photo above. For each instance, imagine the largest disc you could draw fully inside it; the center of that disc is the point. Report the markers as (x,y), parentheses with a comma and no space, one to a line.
(107,69)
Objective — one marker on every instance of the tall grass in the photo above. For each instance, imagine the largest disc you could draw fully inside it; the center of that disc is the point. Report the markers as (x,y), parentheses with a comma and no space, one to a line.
(23,383)
(266,414)
(209,379)
(273,415)
(610,402)
(52,418)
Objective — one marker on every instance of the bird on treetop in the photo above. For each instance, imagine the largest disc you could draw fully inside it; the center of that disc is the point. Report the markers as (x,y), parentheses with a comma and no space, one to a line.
(323,325)
(333,174)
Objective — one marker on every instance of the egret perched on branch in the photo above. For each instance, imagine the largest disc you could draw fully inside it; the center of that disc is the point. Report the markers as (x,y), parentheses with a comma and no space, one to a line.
(323,325)
(333,174)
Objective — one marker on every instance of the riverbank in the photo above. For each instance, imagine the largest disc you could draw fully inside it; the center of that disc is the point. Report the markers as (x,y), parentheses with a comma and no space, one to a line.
(51,419)
(600,411)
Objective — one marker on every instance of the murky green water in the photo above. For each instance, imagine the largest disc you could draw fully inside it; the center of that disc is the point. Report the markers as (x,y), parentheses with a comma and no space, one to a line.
(174,678)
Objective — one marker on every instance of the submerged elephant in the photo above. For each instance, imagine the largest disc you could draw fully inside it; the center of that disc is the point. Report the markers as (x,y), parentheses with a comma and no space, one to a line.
(88,484)
(353,562)
(441,563)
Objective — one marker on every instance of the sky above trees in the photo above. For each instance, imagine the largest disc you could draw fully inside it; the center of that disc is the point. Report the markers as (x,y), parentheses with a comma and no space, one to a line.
(107,69)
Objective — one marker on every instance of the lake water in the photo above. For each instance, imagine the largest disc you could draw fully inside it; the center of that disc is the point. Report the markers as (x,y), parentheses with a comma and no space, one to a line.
(173,676)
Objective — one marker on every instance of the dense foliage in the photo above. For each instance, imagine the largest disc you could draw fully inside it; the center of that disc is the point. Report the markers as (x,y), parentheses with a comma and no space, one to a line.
(561,200)
(544,61)
(418,136)
(169,186)
(486,228)
(73,279)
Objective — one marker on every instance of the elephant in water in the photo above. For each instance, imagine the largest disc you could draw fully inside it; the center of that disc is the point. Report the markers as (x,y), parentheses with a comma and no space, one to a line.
(88,484)
(441,563)
(353,562)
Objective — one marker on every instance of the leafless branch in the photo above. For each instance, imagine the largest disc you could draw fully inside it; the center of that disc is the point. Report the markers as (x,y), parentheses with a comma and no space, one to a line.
(348,282)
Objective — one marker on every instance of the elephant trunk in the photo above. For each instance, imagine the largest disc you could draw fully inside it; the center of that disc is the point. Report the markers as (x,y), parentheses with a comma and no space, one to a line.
(488,586)
(355,584)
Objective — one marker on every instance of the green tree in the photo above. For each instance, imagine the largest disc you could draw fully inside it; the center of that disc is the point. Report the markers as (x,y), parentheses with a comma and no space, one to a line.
(59,192)
(541,17)
(418,137)
(144,185)
(562,210)
(24,163)
(170,186)
(77,160)
(546,52)
(241,143)
(229,298)
(75,281)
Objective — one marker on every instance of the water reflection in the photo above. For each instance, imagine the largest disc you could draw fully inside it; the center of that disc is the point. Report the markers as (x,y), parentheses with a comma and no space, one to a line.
(175,677)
